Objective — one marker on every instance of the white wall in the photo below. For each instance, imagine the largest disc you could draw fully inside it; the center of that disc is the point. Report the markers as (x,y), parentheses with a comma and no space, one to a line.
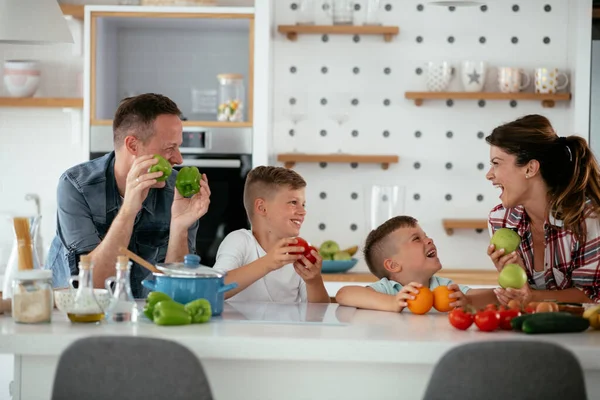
(432,181)
(38,144)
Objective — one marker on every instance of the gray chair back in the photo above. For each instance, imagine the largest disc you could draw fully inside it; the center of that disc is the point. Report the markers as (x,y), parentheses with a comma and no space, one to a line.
(507,370)
(115,368)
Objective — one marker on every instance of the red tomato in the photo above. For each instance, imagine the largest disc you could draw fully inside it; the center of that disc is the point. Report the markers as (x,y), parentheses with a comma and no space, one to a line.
(505,316)
(487,320)
(491,307)
(460,319)
(307,250)
(530,310)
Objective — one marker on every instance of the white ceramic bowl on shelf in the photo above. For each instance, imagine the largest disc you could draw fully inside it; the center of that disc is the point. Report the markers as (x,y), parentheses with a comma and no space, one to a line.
(21,77)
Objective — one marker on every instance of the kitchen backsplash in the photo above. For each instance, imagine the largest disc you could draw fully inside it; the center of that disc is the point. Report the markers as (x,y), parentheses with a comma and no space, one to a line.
(345,93)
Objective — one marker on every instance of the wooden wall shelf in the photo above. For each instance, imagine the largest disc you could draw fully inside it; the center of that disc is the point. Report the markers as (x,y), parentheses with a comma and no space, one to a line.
(47,102)
(202,124)
(451,224)
(292,31)
(462,276)
(290,159)
(76,11)
(548,100)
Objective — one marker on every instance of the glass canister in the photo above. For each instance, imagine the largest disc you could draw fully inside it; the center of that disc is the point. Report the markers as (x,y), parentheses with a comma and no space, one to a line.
(231,98)
(32,300)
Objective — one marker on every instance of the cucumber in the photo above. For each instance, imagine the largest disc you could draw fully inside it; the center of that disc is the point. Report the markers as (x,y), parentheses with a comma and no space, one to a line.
(563,303)
(517,322)
(555,323)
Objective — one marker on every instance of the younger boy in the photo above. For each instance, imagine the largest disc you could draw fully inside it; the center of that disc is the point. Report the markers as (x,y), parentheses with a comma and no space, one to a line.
(261,260)
(401,255)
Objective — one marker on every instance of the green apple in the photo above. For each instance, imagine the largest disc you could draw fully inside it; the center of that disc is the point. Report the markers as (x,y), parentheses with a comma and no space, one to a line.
(512,276)
(329,247)
(342,256)
(506,239)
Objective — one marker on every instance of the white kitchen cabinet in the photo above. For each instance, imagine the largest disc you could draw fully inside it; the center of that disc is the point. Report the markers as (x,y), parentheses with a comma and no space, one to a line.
(175,51)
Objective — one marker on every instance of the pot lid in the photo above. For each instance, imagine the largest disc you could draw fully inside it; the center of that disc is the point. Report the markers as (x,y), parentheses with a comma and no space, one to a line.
(190,267)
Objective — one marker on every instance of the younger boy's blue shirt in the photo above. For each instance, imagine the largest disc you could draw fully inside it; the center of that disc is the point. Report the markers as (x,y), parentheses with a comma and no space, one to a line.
(386,286)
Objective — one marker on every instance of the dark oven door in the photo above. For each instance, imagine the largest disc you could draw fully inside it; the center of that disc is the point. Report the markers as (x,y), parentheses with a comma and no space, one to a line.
(226,175)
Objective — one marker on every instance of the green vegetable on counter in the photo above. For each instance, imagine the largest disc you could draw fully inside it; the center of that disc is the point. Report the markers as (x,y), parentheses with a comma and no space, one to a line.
(199,310)
(555,323)
(188,181)
(169,312)
(153,299)
(162,165)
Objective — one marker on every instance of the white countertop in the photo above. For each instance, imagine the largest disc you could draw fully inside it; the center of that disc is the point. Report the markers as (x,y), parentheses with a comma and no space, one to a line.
(294,332)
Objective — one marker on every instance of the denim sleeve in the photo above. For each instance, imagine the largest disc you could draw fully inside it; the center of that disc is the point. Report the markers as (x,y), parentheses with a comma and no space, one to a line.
(74,222)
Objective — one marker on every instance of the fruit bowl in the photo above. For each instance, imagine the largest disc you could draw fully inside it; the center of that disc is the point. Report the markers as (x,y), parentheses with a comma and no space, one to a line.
(337,266)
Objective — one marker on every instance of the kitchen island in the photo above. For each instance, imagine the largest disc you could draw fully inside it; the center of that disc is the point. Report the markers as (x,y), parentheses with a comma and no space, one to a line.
(288,351)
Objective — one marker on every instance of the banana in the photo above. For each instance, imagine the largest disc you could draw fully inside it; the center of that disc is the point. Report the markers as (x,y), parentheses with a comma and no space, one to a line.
(351,250)
(592,314)
(591,311)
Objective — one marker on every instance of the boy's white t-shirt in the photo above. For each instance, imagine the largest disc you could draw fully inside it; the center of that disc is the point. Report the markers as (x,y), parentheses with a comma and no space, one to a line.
(283,285)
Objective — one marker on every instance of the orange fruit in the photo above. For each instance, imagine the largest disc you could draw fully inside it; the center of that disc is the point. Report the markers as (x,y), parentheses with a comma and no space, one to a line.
(422,302)
(441,299)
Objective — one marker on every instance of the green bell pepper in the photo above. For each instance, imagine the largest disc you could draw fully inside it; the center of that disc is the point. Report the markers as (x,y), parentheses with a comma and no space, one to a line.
(188,181)
(199,310)
(169,312)
(162,165)
(153,299)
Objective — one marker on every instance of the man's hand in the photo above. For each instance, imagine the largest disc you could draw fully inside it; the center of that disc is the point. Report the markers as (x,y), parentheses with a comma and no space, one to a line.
(186,211)
(138,183)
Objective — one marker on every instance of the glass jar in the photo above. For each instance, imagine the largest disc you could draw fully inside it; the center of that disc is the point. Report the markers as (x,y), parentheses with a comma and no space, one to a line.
(32,300)
(231,98)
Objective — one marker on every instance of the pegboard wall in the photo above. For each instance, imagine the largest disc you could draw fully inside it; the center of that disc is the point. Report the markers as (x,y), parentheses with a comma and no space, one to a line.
(345,93)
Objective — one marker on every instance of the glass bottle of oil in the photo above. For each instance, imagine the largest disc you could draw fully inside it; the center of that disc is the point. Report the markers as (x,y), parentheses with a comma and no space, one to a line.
(85,306)
(122,307)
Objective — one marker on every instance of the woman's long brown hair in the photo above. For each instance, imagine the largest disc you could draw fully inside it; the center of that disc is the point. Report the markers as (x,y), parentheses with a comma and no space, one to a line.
(567,165)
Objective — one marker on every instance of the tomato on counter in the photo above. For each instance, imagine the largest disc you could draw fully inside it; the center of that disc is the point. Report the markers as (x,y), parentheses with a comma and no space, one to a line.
(460,318)
(505,315)
(487,320)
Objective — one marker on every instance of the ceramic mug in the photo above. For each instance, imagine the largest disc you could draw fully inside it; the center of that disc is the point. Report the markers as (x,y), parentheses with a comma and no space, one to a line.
(509,79)
(473,75)
(439,75)
(546,80)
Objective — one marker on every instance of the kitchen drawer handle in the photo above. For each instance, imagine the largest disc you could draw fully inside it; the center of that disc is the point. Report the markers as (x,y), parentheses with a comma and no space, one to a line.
(211,163)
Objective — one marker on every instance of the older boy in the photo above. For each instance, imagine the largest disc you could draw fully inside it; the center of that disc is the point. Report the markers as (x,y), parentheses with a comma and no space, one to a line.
(262,261)
(405,259)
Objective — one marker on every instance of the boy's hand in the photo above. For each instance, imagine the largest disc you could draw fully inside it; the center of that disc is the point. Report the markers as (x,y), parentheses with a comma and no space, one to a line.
(459,297)
(280,255)
(523,295)
(307,270)
(407,292)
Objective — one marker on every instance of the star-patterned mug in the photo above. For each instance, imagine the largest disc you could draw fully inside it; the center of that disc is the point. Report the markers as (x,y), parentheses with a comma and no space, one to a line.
(473,75)
(546,80)
(509,79)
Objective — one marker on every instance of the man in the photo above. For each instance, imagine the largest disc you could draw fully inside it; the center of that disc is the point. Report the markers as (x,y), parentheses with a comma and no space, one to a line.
(113,201)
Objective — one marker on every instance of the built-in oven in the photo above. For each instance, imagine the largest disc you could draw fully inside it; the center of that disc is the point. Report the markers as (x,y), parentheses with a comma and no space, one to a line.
(225,156)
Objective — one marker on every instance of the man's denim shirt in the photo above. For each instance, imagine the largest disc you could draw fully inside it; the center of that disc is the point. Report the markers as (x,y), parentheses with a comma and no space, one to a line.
(88,202)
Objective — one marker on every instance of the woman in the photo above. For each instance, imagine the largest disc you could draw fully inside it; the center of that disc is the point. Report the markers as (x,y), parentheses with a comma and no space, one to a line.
(551,198)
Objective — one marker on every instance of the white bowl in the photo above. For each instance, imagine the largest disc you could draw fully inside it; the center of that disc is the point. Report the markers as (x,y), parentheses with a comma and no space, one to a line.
(63,298)
(21,77)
